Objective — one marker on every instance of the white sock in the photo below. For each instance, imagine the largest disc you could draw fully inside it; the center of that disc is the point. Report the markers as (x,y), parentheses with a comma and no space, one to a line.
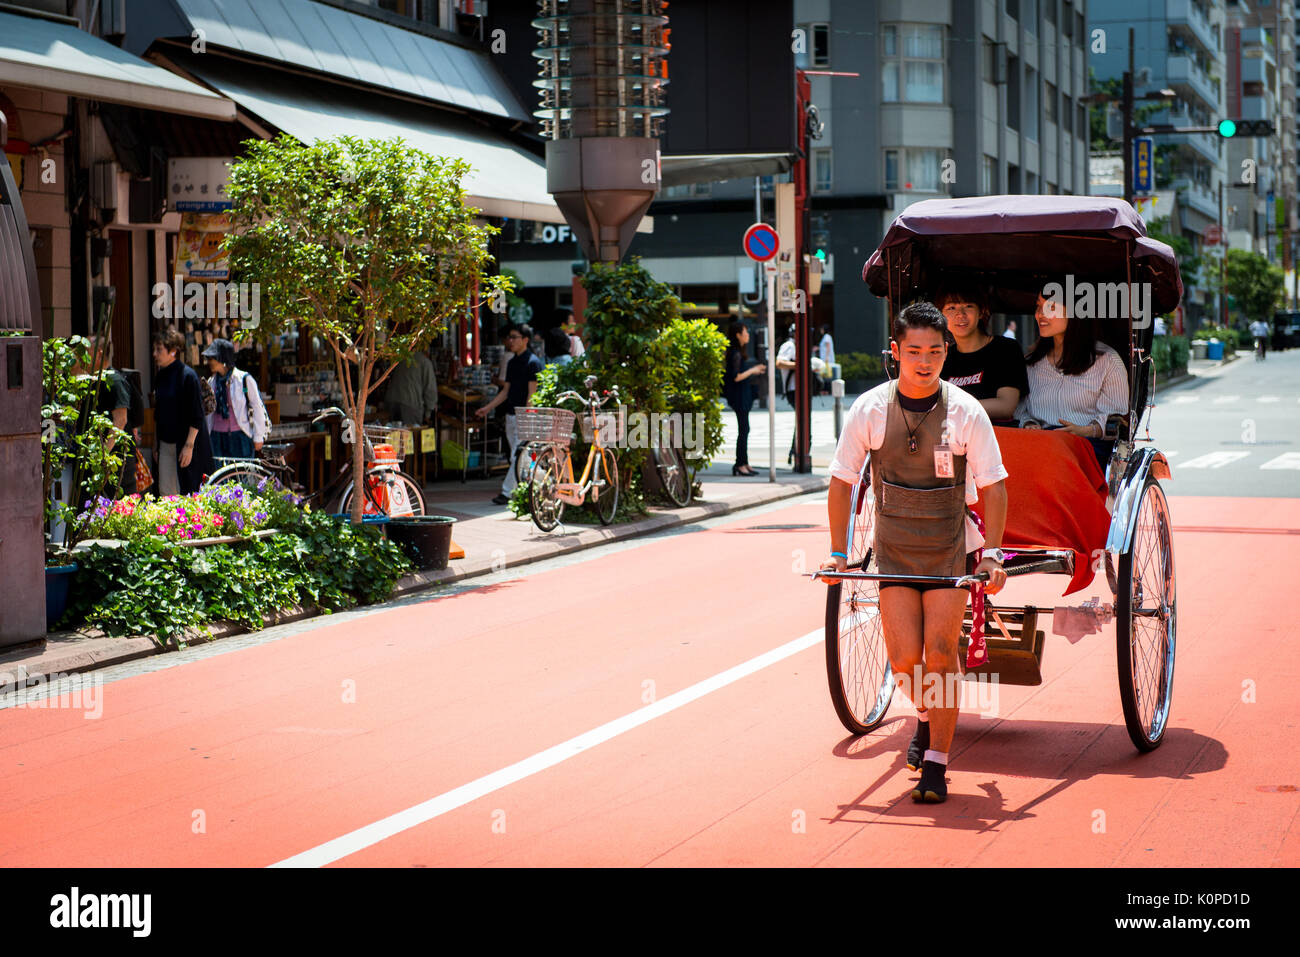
(938,757)
(923,716)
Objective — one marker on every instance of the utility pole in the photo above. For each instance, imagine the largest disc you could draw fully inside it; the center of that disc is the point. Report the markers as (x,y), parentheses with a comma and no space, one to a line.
(1223,260)
(1127,109)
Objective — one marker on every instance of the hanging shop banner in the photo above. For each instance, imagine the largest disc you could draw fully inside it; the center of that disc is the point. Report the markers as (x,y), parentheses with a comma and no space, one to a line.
(198,247)
(197,184)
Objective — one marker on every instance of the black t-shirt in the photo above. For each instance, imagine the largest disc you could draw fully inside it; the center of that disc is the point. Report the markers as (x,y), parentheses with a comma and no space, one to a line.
(982,372)
(520,371)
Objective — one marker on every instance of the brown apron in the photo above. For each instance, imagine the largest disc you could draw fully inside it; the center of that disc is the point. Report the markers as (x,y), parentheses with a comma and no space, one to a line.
(920,518)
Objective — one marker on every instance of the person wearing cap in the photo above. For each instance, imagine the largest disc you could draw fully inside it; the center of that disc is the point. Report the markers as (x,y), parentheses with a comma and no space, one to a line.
(239,425)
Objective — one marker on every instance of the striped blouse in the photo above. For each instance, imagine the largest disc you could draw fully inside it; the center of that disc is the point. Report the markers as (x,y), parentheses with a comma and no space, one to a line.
(1081,399)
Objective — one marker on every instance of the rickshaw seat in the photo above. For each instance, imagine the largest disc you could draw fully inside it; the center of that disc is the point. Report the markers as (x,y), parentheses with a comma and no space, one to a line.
(1056,496)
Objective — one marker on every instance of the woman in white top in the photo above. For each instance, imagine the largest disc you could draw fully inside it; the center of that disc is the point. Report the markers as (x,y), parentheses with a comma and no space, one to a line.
(1075,382)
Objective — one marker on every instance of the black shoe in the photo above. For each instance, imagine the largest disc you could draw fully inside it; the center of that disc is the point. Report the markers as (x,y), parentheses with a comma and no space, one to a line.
(932,788)
(920,744)
(501,500)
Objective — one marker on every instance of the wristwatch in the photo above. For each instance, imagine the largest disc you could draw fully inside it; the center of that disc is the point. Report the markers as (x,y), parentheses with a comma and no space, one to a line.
(997,554)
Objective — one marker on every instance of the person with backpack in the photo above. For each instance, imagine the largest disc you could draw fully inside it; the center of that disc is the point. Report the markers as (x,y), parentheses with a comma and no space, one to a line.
(239,423)
(180,423)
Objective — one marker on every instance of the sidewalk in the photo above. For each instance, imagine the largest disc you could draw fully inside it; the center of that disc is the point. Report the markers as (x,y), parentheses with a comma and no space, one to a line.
(493,541)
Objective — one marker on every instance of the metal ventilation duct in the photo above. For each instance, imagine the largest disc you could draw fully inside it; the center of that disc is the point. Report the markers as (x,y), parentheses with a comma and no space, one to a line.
(602,83)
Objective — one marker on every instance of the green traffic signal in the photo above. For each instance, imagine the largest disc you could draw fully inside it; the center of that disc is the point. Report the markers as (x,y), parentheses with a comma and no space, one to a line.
(1227,128)
(820,254)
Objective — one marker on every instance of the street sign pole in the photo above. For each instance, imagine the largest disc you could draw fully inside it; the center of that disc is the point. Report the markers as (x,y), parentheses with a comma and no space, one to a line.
(771,372)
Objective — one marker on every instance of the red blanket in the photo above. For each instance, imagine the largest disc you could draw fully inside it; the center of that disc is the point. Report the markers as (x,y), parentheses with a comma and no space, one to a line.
(1056,496)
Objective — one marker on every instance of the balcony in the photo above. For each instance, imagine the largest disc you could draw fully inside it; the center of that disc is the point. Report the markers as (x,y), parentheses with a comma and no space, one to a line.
(1182,71)
(1197,196)
(1258,70)
(1256,108)
(1184,16)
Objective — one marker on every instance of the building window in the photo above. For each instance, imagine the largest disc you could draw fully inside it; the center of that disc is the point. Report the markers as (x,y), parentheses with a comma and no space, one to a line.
(821,171)
(989,62)
(990,176)
(1067,19)
(1031,182)
(1013,178)
(1082,125)
(1051,189)
(1079,33)
(1049,105)
(1031,104)
(912,63)
(1049,11)
(1067,114)
(1029,15)
(1013,9)
(687,191)
(821,44)
(916,170)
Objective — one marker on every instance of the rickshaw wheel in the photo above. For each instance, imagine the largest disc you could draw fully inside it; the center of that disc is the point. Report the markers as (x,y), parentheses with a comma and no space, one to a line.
(1145,621)
(857,662)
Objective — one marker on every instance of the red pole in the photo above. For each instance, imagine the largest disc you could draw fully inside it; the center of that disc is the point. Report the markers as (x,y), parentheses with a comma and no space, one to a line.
(803,336)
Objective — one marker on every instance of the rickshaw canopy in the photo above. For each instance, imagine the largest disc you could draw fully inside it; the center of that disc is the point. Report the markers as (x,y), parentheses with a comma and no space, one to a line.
(1015,245)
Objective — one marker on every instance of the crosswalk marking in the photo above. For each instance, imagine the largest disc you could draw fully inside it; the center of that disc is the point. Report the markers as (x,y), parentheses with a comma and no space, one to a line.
(1287,460)
(1225,399)
(1185,399)
(1169,455)
(1214,460)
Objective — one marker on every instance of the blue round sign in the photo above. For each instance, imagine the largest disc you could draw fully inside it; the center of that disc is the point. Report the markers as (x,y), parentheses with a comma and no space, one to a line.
(761,242)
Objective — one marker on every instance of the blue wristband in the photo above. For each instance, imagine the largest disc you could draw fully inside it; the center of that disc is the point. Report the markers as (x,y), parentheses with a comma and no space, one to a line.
(839,555)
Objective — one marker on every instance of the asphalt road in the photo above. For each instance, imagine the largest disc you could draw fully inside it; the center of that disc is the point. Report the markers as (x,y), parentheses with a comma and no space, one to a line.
(664,702)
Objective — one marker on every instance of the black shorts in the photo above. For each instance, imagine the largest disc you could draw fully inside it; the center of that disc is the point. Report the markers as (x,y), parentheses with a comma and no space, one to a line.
(929,586)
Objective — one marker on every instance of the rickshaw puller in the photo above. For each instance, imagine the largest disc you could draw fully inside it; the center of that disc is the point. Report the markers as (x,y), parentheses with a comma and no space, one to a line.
(922,434)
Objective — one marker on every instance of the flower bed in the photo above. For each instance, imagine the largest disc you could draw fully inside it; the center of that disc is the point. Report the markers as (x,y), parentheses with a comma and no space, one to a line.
(264,553)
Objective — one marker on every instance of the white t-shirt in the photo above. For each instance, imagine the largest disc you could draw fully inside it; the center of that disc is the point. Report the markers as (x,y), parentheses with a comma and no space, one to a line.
(970,433)
(826,349)
(1259,328)
(787,375)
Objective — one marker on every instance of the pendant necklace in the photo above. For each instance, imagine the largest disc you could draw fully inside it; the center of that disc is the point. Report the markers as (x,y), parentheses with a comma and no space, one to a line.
(911,432)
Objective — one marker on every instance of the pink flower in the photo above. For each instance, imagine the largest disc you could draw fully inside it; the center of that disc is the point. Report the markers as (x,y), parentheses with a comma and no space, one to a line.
(162,529)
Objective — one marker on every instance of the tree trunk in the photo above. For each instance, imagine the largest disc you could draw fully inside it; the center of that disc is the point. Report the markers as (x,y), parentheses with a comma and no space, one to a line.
(358,463)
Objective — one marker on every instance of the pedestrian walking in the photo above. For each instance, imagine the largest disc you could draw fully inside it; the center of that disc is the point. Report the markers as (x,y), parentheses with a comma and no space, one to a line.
(180,426)
(932,445)
(1010,330)
(521,383)
(239,424)
(738,389)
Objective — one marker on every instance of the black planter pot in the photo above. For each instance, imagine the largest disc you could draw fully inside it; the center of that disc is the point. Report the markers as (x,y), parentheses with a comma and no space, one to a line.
(426,539)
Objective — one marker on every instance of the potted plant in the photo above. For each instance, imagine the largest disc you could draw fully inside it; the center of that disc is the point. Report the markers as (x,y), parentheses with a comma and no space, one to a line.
(76,453)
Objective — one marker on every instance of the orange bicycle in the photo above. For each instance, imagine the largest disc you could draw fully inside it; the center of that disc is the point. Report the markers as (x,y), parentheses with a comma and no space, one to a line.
(552,485)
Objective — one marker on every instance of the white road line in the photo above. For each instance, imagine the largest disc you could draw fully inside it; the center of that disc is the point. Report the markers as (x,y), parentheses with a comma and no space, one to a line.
(1225,399)
(1168,455)
(1287,460)
(1213,460)
(1270,398)
(381,830)
(1185,399)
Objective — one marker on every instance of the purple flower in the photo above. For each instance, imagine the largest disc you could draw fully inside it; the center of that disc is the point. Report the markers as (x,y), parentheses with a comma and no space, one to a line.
(239,521)
(259,517)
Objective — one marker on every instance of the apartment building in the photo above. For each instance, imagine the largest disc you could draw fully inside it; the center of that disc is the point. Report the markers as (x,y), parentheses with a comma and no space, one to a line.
(950,98)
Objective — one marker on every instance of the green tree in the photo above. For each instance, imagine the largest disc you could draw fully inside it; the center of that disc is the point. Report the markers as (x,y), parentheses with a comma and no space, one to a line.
(367,243)
(1189,264)
(1254,283)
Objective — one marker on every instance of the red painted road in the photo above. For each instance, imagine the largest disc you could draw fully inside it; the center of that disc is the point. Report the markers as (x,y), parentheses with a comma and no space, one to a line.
(251,757)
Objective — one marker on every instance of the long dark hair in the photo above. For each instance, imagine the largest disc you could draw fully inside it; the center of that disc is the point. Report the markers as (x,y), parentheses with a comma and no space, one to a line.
(733,335)
(1078,352)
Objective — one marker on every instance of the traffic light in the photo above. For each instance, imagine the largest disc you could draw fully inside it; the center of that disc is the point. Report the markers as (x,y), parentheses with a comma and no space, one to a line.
(1231,128)
(820,254)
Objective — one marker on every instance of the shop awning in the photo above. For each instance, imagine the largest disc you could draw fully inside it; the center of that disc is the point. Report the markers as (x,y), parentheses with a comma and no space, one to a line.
(305,35)
(59,57)
(507,180)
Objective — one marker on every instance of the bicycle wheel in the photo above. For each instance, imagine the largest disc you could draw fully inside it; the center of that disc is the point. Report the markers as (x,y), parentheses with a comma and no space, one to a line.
(401,487)
(524,462)
(857,661)
(606,493)
(673,474)
(1145,621)
(247,475)
(545,505)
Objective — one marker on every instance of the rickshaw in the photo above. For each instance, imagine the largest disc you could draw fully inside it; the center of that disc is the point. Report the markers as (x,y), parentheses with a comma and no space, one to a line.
(1065,515)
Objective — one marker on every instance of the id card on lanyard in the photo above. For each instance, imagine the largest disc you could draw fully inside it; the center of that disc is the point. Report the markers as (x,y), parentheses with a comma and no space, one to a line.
(943,456)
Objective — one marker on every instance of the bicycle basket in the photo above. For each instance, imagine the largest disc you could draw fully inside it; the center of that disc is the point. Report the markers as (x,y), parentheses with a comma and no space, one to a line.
(544,425)
(612,425)
(397,439)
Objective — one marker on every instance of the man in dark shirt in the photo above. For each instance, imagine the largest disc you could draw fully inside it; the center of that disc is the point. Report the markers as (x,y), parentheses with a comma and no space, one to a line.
(521,383)
(991,368)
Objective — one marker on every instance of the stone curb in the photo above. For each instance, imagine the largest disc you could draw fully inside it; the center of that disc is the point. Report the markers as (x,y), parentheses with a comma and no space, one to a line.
(31,666)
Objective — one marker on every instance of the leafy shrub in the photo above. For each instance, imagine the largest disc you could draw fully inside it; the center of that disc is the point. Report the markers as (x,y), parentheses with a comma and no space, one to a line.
(153,587)
(860,365)
(1170,355)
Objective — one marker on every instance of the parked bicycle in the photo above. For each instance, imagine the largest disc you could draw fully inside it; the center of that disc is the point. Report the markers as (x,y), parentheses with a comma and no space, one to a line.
(553,486)
(387,489)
